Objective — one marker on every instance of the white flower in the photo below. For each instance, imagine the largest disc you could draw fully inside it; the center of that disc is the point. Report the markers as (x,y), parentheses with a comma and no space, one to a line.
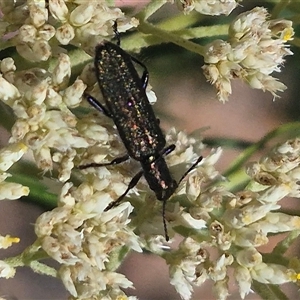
(6,271)
(209,7)
(62,72)
(83,289)
(243,277)
(249,214)
(7,241)
(181,282)
(189,221)
(251,236)
(249,257)
(220,289)
(59,10)
(8,156)
(184,264)
(279,222)
(12,191)
(82,14)
(11,154)
(71,96)
(218,271)
(8,92)
(271,273)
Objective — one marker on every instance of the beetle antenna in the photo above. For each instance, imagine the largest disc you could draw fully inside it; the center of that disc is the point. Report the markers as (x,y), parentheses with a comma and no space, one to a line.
(164,220)
(117,33)
(192,167)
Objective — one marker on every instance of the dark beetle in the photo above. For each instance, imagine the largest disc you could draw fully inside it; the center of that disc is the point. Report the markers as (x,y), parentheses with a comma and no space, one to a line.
(128,106)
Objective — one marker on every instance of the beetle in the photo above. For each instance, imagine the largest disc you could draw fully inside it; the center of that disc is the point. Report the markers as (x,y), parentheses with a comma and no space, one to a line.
(126,103)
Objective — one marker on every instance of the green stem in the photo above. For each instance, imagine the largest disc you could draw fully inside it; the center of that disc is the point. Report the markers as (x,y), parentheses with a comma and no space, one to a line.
(26,174)
(285,244)
(229,143)
(236,181)
(116,258)
(21,260)
(203,32)
(30,257)
(278,292)
(275,258)
(138,40)
(16,261)
(180,21)
(295,41)
(33,253)
(173,30)
(235,174)
(43,269)
(280,6)
(150,9)
(267,292)
(165,36)
(7,118)
(292,129)
(296,20)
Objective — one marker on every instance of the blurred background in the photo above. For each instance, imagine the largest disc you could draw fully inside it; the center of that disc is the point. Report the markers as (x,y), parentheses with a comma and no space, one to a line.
(187,102)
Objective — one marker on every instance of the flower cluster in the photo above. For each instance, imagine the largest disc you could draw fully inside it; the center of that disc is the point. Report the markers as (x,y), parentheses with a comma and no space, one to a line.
(236,225)
(6,270)
(10,191)
(256,48)
(40,99)
(79,234)
(40,26)
(8,156)
(83,238)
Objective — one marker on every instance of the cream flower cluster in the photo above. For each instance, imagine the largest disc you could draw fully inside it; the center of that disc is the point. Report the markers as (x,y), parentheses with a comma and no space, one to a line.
(40,26)
(208,7)
(8,156)
(79,234)
(255,49)
(236,225)
(10,191)
(83,238)
(40,102)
